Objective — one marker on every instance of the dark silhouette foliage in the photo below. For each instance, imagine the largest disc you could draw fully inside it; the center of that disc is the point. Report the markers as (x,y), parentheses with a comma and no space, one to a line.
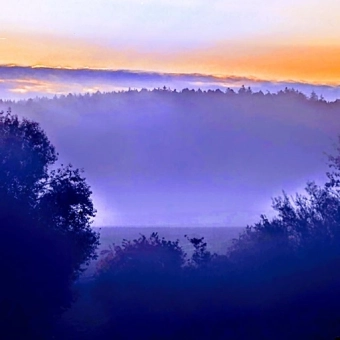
(201,256)
(153,254)
(293,260)
(45,233)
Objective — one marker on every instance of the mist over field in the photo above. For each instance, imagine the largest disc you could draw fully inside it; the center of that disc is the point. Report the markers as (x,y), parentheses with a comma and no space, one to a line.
(167,157)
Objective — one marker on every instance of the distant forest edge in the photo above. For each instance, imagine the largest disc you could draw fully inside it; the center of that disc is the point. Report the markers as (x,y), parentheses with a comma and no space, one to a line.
(241,90)
(206,157)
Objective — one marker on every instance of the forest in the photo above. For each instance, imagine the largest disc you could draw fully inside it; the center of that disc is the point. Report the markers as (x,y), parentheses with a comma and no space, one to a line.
(278,280)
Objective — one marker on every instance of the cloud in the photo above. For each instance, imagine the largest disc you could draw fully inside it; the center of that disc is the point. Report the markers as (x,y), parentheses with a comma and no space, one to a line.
(19,82)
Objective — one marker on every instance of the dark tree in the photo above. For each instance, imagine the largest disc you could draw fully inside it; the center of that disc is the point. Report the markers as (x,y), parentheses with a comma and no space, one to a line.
(201,256)
(153,254)
(292,261)
(306,225)
(45,230)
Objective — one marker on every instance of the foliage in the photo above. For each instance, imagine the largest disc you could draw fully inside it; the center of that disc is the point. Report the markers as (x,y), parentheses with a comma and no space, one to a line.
(201,256)
(151,254)
(305,224)
(45,233)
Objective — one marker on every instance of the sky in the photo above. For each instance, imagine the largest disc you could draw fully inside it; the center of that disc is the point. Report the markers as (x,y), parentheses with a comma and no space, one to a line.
(291,40)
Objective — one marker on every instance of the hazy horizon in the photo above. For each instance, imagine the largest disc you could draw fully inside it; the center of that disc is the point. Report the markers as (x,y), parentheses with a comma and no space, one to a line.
(188,158)
(24,82)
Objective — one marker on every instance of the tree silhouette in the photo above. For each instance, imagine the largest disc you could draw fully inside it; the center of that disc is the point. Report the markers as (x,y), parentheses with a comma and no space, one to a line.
(45,230)
(304,224)
(154,254)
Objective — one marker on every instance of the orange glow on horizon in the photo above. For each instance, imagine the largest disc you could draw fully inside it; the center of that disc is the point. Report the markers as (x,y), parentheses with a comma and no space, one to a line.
(312,64)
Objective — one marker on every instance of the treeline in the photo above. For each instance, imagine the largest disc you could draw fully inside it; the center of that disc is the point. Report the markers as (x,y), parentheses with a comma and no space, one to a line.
(288,92)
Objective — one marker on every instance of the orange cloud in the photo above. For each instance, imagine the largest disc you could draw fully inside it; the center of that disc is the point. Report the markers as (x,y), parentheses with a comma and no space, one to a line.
(313,63)
(316,63)
(37,86)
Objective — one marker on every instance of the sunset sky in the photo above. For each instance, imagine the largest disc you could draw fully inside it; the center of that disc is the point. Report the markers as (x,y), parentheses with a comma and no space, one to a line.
(294,40)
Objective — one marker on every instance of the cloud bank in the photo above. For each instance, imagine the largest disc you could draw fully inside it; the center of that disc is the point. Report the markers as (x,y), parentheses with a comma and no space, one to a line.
(18,82)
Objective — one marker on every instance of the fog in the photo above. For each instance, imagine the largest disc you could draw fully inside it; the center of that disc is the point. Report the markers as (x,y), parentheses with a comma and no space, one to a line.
(188,157)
